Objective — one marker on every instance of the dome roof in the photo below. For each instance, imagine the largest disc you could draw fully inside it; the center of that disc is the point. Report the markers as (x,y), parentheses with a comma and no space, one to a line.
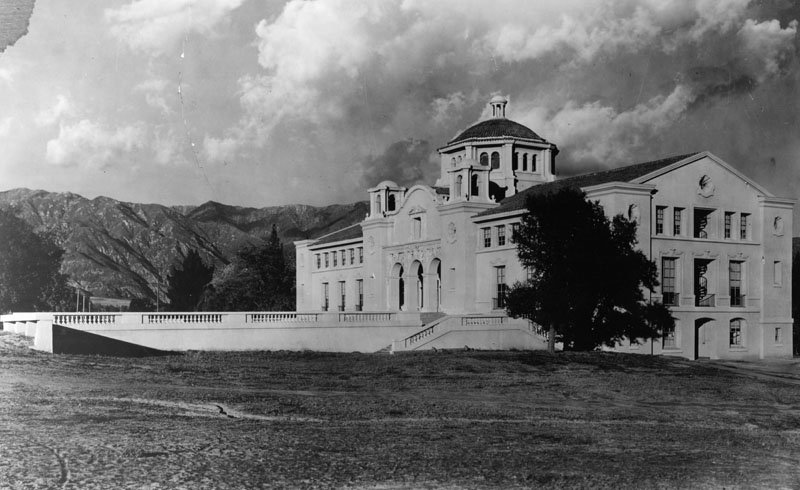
(496,128)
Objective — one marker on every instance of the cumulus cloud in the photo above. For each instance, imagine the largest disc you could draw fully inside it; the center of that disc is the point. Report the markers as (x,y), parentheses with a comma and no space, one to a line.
(53,113)
(153,90)
(91,145)
(156,26)
(406,162)
(597,133)
(219,149)
(767,46)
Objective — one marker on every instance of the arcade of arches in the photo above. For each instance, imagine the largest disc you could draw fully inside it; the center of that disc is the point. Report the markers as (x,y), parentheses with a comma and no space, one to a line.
(416,288)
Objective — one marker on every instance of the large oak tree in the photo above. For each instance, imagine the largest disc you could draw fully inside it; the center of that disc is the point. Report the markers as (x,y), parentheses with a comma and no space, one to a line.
(588,281)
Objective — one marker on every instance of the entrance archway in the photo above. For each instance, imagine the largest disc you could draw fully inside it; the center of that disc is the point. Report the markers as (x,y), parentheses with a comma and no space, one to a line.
(396,288)
(704,338)
(434,285)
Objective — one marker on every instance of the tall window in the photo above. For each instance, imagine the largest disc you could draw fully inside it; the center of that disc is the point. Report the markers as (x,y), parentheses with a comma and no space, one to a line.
(777,273)
(319,261)
(391,203)
(701,219)
(677,221)
(344,257)
(342,292)
(360,293)
(325,297)
(529,273)
(334,258)
(495,160)
(660,219)
(669,338)
(500,278)
(670,295)
(501,235)
(728,224)
(736,332)
(360,255)
(417,231)
(475,189)
(352,256)
(484,160)
(515,161)
(487,237)
(459,179)
(524,162)
(327,264)
(743,225)
(533,163)
(514,231)
(778,336)
(735,283)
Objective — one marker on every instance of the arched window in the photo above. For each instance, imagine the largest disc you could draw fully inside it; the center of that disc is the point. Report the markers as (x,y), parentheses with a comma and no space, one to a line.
(533,163)
(390,205)
(524,162)
(453,162)
(378,209)
(460,158)
(515,160)
(495,160)
(458,186)
(476,186)
(484,159)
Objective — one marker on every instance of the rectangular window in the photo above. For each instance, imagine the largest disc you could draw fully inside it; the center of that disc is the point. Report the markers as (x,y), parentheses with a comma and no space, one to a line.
(728,224)
(778,336)
(342,292)
(352,256)
(529,273)
(736,333)
(327,264)
(487,237)
(668,341)
(417,222)
(501,235)
(514,231)
(701,220)
(344,257)
(325,298)
(334,258)
(744,224)
(670,295)
(360,292)
(777,273)
(735,283)
(500,278)
(360,255)
(660,219)
(319,261)
(677,222)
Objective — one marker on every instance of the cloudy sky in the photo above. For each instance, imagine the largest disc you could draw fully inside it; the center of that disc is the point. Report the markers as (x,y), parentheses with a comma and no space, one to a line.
(265,102)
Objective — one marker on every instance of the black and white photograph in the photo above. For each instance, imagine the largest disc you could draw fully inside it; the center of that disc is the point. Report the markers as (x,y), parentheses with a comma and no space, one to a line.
(399,244)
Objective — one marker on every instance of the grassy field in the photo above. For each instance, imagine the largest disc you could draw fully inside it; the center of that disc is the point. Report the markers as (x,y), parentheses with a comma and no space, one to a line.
(417,420)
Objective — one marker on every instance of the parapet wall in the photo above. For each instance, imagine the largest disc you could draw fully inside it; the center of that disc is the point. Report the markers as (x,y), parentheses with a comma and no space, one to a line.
(230,331)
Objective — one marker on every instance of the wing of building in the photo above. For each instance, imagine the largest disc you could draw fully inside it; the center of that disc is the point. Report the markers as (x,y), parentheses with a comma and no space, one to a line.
(722,243)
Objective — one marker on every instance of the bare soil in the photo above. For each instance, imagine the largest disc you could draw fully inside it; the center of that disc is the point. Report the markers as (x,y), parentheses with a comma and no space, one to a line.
(417,420)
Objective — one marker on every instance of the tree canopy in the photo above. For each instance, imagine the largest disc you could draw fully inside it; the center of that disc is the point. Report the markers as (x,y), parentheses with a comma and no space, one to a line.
(587,279)
(29,269)
(259,279)
(187,282)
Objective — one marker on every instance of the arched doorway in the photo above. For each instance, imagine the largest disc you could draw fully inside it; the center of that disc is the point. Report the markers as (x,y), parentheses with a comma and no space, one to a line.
(417,298)
(396,296)
(704,338)
(435,294)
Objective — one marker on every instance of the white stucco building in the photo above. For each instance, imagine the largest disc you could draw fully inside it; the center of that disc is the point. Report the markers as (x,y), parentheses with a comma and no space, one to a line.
(721,242)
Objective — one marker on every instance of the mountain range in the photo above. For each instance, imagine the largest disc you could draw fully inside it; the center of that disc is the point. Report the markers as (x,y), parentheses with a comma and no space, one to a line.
(125,250)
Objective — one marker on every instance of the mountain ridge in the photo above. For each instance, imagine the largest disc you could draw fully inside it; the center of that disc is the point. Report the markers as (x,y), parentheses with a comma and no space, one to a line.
(125,250)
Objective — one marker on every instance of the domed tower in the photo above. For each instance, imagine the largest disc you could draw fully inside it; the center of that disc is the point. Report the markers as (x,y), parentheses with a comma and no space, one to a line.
(514,157)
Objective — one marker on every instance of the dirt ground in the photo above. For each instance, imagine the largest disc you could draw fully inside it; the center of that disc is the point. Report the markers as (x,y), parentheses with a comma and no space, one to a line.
(417,420)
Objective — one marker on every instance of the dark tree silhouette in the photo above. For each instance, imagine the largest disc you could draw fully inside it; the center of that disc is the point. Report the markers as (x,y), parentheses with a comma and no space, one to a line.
(587,282)
(29,269)
(187,282)
(258,280)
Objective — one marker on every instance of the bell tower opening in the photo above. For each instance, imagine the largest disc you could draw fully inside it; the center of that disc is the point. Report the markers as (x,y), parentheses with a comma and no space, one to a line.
(498,104)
